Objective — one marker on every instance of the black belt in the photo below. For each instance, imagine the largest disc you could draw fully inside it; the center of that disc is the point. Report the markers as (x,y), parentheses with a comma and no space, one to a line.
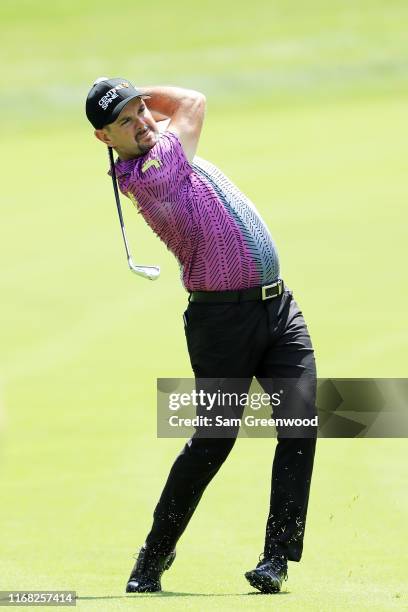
(266,292)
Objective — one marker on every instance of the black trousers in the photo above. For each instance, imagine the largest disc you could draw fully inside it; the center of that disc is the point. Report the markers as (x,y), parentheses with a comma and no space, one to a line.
(263,339)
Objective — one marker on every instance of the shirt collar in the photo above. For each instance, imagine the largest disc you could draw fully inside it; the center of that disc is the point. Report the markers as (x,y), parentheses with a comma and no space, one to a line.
(124,166)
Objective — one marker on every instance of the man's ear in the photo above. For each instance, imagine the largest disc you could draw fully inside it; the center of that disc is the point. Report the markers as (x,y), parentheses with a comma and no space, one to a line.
(103,136)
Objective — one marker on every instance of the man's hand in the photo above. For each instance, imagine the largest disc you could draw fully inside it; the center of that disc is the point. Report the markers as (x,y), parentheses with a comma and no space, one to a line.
(184,107)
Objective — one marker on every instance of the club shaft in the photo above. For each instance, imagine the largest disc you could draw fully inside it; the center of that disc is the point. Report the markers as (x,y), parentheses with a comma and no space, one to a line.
(118,206)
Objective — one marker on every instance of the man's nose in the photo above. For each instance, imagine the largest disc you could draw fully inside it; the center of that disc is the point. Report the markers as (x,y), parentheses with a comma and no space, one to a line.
(139,122)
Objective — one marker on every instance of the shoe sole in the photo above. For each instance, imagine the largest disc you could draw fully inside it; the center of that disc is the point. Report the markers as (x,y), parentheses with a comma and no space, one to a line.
(261,583)
(132,587)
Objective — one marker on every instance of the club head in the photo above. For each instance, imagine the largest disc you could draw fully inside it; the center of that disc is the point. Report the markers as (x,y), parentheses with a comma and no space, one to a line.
(150,272)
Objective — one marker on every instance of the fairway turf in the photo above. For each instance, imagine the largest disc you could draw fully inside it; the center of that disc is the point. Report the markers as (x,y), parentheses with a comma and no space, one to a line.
(307,113)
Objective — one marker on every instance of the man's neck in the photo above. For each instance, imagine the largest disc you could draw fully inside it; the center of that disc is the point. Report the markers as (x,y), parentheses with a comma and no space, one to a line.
(124,156)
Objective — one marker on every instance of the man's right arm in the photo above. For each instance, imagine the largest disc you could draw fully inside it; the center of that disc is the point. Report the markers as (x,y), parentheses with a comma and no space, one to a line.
(184,107)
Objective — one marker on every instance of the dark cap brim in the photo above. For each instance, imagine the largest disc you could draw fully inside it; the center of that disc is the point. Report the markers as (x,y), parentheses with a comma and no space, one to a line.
(118,108)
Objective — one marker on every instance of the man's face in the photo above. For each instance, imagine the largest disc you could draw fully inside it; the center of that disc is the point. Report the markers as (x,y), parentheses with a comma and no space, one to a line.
(133,133)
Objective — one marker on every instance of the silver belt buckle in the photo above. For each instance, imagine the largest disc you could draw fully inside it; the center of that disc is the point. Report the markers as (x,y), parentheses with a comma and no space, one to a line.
(265,289)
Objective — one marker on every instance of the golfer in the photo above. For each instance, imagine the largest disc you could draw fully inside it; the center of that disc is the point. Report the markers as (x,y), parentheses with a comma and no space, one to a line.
(241,320)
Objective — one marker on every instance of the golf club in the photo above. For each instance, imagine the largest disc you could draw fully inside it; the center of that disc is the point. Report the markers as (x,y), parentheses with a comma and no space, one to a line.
(150,272)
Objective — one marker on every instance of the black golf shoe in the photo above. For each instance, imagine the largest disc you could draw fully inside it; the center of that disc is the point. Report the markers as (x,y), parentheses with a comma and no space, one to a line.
(147,571)
(269,574)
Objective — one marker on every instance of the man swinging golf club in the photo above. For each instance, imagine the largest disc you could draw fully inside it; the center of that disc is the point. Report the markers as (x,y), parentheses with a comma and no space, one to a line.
(241,320)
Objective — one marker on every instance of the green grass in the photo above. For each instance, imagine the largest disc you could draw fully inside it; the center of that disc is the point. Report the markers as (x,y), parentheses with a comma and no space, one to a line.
(307,114)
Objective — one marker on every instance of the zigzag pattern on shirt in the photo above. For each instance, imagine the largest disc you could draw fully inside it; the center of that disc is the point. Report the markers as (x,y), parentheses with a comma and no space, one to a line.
(221,260)
(256,235)
(169,217)
(213,230)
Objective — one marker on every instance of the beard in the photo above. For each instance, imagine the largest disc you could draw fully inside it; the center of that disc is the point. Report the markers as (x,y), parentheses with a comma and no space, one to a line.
(136,148)
(144,147)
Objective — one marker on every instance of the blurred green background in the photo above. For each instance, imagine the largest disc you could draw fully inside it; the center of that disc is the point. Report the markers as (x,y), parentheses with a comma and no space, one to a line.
(307,113)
